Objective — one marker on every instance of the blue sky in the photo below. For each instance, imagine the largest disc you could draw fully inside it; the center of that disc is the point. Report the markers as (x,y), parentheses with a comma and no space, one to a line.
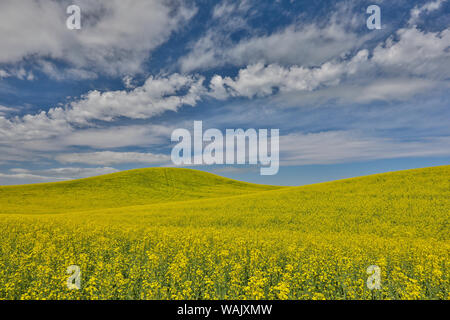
(348,101)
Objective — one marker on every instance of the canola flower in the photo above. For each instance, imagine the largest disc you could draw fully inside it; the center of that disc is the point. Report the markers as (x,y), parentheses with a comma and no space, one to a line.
(312,242)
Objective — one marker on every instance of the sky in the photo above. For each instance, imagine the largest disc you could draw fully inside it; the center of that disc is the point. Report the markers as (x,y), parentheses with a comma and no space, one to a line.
(347,100)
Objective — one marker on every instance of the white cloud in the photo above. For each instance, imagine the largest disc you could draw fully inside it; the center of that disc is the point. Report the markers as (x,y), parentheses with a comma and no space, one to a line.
(297,60)
(416,62)
(54,72)
(154,97)
(74,125)
(225,9)
(31,127)
(393,70)
(424,9)
(346,146)
(306,44)
(117,136)
(261,80)
(116,36)
(303,62)
(416,53)
(5,110)
(110,157)
(389,90)
(399,69)
(25,176)
(17,72)
(4,74)
(75,173)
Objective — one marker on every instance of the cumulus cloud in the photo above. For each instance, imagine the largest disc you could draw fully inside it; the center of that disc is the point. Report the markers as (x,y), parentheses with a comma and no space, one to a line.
(394,69)
(155,96)
(77,124)
(409,63)
(416,53)
(260,80)
(110,157)
(116,36)
(32,127)
(304,58)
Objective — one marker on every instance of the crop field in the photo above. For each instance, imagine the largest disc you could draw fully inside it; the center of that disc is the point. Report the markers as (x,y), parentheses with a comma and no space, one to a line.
(184,234)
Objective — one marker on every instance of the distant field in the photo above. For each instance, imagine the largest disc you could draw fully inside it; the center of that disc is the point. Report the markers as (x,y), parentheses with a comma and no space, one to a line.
(184,234)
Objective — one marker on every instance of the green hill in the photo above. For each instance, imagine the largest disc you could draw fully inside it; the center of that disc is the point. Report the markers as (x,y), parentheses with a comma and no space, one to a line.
(410,203)
(127,188)
(184,234)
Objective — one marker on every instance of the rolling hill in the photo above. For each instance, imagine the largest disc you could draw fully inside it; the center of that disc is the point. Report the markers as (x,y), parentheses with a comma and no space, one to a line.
(126,188)
(184,234)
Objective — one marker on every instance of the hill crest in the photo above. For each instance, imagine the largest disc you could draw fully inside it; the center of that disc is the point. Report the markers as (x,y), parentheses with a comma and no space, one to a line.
(125,188)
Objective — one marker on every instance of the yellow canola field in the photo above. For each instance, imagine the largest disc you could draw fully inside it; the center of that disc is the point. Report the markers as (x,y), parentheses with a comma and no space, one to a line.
(184,234)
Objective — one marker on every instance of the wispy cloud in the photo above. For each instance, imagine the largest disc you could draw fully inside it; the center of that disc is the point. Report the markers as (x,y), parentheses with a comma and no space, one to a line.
(25,176)
(109,157)
(347,146)
(428,7)
(305,44)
